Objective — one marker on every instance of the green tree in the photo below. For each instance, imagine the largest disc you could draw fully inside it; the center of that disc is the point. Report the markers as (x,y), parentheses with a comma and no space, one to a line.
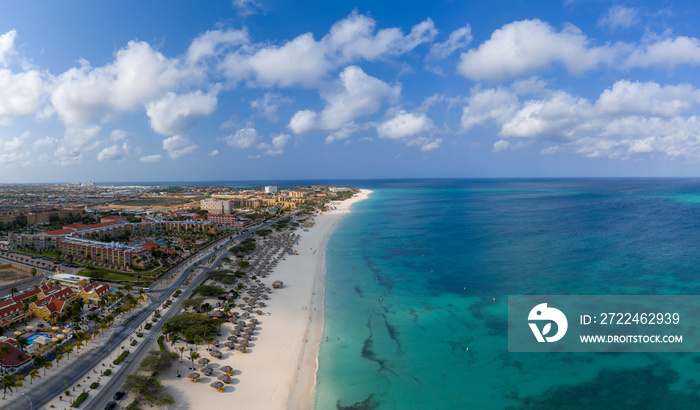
(34,374)
(157,362)
(8,382)
(193,356)
(13,291)
(149,388)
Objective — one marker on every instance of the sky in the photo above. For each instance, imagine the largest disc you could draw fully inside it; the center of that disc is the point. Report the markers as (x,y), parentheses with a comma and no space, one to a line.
(273,89)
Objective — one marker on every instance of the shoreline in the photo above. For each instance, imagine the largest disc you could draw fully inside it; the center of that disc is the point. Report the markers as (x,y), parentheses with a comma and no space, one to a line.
(279,369)
(302,392)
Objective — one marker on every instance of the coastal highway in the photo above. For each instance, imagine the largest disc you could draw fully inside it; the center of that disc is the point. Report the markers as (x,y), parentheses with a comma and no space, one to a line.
(72,373)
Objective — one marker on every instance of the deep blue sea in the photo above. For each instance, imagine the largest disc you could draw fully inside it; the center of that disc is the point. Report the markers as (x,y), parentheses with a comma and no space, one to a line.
(418,278)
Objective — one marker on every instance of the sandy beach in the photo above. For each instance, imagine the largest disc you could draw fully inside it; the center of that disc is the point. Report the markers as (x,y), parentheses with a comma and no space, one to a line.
(279,369)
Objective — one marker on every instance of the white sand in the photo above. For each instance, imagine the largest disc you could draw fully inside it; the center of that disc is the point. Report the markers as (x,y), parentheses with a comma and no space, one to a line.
(279,370)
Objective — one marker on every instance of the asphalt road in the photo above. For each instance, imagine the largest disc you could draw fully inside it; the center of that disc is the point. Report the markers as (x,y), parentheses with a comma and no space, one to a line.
(45,391)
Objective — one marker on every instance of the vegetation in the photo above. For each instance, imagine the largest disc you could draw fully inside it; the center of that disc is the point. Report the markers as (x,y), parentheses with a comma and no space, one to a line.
(208,290)
(94,385)
(107,372)
(149,388)
(158,361)
(246,245)
(134,405)
(191,326)
(147,326)
(192,303)
(121,357)
(80,400)
(139,334)
(222,276)
(263,232)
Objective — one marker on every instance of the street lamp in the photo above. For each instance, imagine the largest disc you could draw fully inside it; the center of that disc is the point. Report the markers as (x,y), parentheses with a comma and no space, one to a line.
(31,405)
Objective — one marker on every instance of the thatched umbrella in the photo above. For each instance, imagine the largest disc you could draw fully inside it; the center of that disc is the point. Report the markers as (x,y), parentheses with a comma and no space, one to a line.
(259,312)
(243,342)
(218,386)
(194,376)
(230,344)
(231,338)
(207,370)
(240,348)
(246,314)
(225,378)
(216,353)
(227,369)
(203,361)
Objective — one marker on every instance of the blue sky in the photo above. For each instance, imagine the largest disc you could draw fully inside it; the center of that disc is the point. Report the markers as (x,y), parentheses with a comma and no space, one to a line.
(267,89)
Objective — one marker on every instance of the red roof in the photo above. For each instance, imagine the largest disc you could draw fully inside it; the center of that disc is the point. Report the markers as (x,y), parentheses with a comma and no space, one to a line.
(59,232)
(103,224)
(26,295)
(150,245)
(15,357)
(113,217)
(76,227)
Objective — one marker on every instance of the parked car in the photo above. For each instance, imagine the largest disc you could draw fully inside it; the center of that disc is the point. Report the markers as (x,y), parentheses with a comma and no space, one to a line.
(118,395)
(110,405)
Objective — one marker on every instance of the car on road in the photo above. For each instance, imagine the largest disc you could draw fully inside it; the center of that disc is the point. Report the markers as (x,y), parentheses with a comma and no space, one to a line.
(110,405)
(118,395)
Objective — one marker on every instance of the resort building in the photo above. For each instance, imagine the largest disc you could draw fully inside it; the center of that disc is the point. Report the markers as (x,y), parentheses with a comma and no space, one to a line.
(93,292)
(271,189)
(216,206)
(74,282)
(231,220)
(15,359)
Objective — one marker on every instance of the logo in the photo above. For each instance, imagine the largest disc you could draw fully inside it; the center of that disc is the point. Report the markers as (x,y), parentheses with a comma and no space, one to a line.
(542,313)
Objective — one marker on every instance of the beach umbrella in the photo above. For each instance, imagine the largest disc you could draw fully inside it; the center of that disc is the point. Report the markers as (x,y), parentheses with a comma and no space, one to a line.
(65,331)
(30,327)
(60,336)
(246,314)
(225,378)
(230,344)
(259,312)
(240,348)
(216,353)
(231,338)
(194,376)
(203,361)
(218,386)
(207,370)
(18,333)
(227,369)
(54,339)
(55,328)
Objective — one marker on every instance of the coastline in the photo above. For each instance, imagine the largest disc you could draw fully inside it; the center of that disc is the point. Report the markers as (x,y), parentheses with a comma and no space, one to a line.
(304,386)
(279,371)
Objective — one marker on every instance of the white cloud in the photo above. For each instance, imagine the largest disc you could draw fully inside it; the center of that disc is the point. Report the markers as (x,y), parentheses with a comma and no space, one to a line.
(137,75)
(115,152)
(500,145)
(276,146)
(7,45)
(669,53)
(459,39)
(215,42)
(620,16)
(150,158)
(20,94)
(489,105)
(647,98)
(243,138)
(15,144)
(176,114)
(413,129)
(45,142)
(118,135)
(306,61)
(343,133)
(214,153)
(268,105)
(75,143)
(248,7)
(178,146)
(357,94)
(525,46)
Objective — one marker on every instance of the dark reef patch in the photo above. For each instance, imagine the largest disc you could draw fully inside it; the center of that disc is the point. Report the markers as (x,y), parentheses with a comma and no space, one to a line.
(367,404)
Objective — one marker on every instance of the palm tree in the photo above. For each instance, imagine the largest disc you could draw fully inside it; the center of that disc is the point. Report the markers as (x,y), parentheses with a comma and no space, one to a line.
(182,350)
(34,374)
(13,291)
(47,365)
(8,382)
(78,345)
(193,356)
(68,350)
(20,380)
(4,349)
(58,359)
(22,343)
(39,362)
(174,339)
(197,340)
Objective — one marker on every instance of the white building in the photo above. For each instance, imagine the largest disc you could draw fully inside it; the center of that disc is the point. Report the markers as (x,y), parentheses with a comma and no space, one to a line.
(271,189)
(215,206)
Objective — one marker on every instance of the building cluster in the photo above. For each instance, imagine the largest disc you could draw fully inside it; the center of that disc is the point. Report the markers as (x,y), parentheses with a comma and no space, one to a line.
(94,243)
(38,215)
(47,302)
(228,203)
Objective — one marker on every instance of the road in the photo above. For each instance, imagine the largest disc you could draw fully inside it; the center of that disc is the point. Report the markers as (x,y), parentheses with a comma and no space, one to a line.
(70,374)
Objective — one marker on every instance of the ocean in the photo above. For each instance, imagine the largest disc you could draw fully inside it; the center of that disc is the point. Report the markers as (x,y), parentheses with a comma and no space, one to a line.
(418,278)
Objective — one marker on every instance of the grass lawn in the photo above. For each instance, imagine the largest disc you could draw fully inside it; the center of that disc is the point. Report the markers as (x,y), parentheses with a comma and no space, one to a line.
(98,273)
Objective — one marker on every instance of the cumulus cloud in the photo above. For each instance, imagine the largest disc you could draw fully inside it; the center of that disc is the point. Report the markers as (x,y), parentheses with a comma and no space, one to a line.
(276,146)
(76,143)
(248,7)
(620,16)
(118,135)
(45,142)
(21,94)
(305,61)
(176,114)
(357,94)
(115,152)
(7,45)
(648,98)
(178,146)
(669,52)
(495,104)
(268,105)
(459,39)
(343,133)
(150,158)
(137,75)
(411,128)
(243,138)
(215,42)
(15,144)
(214,153)
(523,47)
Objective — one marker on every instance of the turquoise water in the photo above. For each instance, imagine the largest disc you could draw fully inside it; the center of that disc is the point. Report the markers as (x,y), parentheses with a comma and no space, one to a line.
(419,274)
(33,337)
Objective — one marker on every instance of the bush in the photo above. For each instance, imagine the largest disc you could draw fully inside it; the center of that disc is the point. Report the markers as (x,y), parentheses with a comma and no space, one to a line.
(107,372)
(121,357)
(148,326)
(94,385)
(139,334)
(79,400)
(161,344)
(133,406)
(133,342)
